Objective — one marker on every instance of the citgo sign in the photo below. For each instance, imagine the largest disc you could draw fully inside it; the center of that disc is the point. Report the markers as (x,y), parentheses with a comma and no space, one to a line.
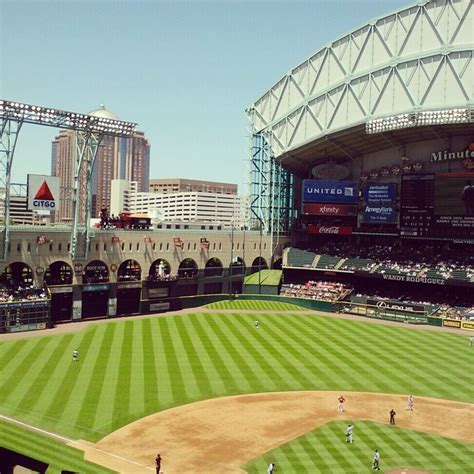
(43,192)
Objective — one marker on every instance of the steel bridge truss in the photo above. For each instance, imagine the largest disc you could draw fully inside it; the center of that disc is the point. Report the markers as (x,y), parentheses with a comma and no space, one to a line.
(89,131)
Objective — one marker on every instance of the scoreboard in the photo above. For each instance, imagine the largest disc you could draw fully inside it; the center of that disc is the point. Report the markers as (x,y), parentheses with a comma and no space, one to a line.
(434,205)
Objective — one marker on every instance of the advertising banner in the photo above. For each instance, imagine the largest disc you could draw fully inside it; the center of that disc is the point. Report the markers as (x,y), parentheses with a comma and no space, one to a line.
(395,305)
(327,229)
(329,209)
(378,193)
(43,192)
(379,214)
(329,191)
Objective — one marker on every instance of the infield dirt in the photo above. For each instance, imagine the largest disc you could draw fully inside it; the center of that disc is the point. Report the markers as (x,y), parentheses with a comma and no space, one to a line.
(223,434)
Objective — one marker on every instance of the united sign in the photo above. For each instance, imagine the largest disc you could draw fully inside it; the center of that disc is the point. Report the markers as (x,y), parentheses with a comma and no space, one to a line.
(43,192)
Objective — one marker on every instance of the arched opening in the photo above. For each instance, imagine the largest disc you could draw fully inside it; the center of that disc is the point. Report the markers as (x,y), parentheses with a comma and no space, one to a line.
(213,267)
(188,268)
(237,266)
(129,287)
(95,298)
(129,270)
(17,274)
(60,273)
(259,264)
(160,269)
(96,272)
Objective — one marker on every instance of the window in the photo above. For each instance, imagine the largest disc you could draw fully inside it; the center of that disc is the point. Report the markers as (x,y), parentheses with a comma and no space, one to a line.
(123,245)
(167,246)
(96,247)
(153,246)
(138,246)
(68,247)
(105,247)
(168,226)
(28,247)
(18,247)
(194,245)
(60,247)
(220,245)
(161,246)
(50,247)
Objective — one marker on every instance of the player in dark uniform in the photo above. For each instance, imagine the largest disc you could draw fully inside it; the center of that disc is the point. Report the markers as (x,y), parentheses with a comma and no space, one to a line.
(392,414)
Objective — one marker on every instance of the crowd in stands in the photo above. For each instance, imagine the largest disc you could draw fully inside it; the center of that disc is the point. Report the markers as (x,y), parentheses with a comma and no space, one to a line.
(412,258)
(22,292)
(317,290)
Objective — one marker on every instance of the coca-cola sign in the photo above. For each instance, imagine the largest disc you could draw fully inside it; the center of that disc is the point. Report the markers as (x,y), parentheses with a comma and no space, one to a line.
(329,229)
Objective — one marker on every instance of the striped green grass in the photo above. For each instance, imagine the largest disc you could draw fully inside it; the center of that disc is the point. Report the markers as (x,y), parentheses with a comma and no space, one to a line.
(252,305)
(324,450)
(128,369)
(266,277)
(56,454)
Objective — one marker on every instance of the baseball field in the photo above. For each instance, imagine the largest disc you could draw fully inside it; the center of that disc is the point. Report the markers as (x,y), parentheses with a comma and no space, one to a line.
(211,392)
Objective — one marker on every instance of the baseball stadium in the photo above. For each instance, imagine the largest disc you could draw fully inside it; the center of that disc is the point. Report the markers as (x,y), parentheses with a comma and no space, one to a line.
(332,333)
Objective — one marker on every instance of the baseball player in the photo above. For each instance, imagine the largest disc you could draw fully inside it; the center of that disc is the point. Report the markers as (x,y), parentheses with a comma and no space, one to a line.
(410,402)
(340,404)
(376,461)
(256,324)
(271,468)
(75,355)
(349,430)
(392,414)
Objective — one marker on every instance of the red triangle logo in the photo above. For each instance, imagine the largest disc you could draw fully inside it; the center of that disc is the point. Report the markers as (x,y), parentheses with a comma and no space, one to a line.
(44,193)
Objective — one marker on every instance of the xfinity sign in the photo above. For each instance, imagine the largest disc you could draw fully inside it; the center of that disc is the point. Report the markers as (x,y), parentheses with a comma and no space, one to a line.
(328,191)
(43,192)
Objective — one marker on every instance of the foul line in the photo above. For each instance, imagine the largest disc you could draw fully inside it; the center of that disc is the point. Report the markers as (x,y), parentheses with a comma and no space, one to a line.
(69,441)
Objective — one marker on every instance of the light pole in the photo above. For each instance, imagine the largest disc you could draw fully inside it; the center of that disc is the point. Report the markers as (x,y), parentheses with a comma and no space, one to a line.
(260,260)
(231,256)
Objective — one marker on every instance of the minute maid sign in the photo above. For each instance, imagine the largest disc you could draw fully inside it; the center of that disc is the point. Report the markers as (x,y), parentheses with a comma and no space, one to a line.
(43,192)
(446,155)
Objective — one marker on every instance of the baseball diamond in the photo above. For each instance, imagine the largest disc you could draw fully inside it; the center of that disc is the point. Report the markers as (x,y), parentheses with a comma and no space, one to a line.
(131,369)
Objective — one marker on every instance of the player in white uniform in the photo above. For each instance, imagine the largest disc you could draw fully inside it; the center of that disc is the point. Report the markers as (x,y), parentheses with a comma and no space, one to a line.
(256,324)
(349,431)
(376,459)
(271,468)
(75,355)
(410,402)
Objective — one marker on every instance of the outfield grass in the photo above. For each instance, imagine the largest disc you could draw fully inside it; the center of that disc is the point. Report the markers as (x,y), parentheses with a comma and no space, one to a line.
(324,450)
(250,305)
(129,369)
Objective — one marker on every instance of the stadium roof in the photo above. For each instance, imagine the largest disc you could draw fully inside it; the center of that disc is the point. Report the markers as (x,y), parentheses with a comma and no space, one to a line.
(415,60)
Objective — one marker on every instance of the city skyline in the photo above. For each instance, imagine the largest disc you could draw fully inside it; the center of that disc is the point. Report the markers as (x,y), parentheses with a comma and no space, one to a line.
(185,76)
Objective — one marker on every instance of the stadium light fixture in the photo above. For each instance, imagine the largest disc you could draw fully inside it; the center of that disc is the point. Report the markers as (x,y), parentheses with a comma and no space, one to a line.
(39,115)
(418,119)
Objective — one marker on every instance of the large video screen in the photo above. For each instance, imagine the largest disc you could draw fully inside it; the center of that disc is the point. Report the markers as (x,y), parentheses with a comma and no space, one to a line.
(438,205)
(329,191)
(454,194)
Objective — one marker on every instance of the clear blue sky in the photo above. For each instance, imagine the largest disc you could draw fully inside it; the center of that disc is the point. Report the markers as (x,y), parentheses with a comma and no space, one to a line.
(184,71)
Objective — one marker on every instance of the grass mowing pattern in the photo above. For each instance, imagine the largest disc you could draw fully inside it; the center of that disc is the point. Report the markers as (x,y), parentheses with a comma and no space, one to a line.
(58,455)
(251,305)
(128,369)
(267,277)
(324,450)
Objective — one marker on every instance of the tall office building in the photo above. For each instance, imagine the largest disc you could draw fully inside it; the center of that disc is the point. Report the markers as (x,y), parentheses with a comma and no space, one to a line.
(117,158)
